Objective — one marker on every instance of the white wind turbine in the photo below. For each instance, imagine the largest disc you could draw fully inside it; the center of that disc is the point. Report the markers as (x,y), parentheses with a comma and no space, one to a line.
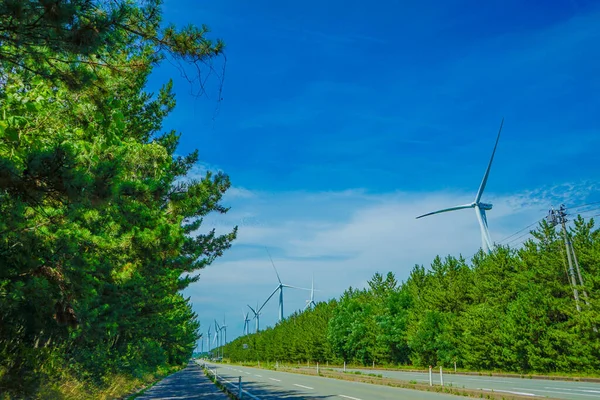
(256,315)
(216,337)
(246,322)
(280,288)
(480,208)
(219,337)
(224,329)
(311,302)
(208,339)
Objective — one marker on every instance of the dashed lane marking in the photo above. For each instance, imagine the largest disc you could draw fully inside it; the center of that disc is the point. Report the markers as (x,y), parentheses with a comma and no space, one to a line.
(302,386)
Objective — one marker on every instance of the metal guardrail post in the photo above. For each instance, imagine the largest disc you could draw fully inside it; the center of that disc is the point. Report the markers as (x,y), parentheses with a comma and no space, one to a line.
(240,387)
(441,376)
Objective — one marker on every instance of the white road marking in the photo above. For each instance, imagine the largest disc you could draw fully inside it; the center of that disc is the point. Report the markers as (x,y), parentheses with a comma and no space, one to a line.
(587,390)
(302,386)
(509,391)
(348,397)
(247,373)
(260,376)
(276,380)
(487,380)
(564,391)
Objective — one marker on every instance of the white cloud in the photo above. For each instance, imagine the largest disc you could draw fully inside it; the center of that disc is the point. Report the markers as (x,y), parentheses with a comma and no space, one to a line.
(343,238)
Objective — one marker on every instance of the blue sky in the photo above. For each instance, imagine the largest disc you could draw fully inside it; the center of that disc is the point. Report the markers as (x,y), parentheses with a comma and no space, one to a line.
(341,121)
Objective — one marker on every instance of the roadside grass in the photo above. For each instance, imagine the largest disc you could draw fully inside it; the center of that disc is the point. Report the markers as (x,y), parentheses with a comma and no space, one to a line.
(119,386)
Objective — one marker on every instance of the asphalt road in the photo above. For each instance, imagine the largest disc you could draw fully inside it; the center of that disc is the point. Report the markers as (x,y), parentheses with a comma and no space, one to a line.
(270,385)
(523,386)
(188,384)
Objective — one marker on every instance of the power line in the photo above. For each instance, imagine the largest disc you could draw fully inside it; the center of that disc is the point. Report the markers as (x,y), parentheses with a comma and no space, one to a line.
(517,238)
(587,211)
(521,230)
(583,205)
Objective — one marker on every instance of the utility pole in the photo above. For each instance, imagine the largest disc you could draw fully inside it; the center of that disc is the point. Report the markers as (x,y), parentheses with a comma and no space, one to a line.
(556,217)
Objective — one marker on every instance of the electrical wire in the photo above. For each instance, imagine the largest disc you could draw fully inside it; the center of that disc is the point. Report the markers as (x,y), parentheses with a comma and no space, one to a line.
(587,204)
(521,230)
(517,238)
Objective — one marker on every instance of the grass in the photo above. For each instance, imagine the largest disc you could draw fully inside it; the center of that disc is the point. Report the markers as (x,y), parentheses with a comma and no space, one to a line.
(115,386)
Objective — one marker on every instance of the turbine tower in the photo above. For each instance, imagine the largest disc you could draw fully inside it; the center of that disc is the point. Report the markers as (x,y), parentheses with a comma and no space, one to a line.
(280,288)
(224,329)
(311,302)
(208,339)
(218,336)
(246,322)
(256,316)
(480,208)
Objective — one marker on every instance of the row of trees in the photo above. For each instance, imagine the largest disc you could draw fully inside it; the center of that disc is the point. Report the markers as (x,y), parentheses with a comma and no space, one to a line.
(511,310)
(99,223)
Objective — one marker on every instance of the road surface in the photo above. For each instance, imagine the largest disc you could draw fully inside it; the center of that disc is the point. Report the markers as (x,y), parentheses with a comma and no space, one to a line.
(527,387)
(187,384)
(271,385)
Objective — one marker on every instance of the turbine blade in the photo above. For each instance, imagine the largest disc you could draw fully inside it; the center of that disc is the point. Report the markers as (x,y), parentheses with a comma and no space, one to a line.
(448,209)
(268,298)
(254,311)
(487,171)
(273,264)
(295,287)
(488,238)
(483,226)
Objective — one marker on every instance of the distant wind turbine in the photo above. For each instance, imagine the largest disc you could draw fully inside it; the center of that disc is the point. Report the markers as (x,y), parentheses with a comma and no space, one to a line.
(216,337)
(280,288)
(311,302)
(480,208)
(224,329)
(256,315)
(208,339)
(246,322)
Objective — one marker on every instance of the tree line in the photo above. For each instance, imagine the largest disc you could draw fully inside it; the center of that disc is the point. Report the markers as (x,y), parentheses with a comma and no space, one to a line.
(510,310)
(100,224)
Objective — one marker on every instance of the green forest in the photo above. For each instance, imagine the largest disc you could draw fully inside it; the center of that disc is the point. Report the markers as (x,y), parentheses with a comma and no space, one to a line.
(512,310)
(101,224)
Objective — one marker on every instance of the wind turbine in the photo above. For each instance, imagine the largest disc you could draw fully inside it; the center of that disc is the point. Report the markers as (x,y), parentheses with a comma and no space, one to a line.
(208,339)
(311,302)
(280,288)
(217,336)
(224,329)
(480,208)
(246,322)
(223,337)
(256,315)
(201,343)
